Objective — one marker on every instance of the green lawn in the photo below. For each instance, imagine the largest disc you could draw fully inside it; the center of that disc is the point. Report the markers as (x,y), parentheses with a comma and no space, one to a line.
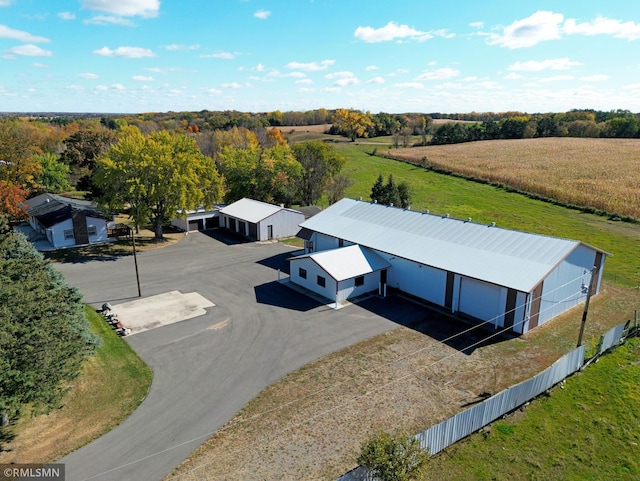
(587,430)
(443,194)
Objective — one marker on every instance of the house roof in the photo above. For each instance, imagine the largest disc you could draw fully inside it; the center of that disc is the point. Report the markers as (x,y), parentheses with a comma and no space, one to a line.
(504,257)
(347,262)
(51,209)
(252,210)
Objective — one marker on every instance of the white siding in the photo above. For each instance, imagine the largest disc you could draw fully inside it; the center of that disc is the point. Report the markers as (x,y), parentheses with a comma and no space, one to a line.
(101,230)
(285,224)
(180,224)
(520,312)
(348,290)
(562,288)
(323,242)
(311,283)
(416,279)
(482,300)
(57,234)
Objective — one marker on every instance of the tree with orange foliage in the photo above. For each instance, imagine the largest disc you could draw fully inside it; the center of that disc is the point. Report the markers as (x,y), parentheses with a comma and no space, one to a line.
(11,200)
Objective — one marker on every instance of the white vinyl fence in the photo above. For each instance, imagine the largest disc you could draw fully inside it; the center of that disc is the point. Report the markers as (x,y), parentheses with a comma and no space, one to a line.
(467,422)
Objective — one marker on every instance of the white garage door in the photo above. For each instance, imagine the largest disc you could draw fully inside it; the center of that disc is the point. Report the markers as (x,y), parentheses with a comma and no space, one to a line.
(480,299)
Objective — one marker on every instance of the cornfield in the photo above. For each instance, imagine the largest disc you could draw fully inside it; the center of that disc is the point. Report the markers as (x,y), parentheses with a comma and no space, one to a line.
(596,174)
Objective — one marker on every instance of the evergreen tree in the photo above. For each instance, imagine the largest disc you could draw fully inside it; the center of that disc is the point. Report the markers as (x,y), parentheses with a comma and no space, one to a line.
(391,194)
(377,191)
(404,194)
(44,333)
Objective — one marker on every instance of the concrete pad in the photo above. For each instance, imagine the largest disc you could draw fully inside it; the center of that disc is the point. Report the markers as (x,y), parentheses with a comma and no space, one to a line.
(160,310)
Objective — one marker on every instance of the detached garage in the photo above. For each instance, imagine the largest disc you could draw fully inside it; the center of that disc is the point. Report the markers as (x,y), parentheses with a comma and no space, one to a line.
(260,221)
(504,278)
(340,274)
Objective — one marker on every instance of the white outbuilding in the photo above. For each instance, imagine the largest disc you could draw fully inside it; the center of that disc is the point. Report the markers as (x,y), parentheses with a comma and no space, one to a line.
(505,278)
(260,221)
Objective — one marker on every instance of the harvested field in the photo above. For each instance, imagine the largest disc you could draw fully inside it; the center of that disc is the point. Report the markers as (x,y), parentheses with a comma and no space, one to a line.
(600,174)
(310,424)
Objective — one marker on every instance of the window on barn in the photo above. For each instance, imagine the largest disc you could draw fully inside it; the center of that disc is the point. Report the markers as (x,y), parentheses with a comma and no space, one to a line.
(340,242)
(302,272)
(321,281)
(91,230)
(359,281)
(68,234)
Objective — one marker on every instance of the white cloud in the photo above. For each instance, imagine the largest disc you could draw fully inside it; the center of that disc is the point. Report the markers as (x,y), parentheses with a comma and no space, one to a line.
(368,68)
(595,78)
(304,81)
(222,55)
(262,14)
(19,35)
(67,15)
(529,31)
(390,31)
(305,90)
(38,65)
(331,90)
(259,68)
(176,47)
(346,81)
(143,78)
(161,70)
(552,64)
(212,91)
(88,76)
(343,74)
(5,3)
(439,74)
(557,78)
(232,85)
(477,24)
(604,26)
(125,52)
(30,50)
(375,80)
(409,85)
(124,8)
(109,20)
(513,76)
(311,66)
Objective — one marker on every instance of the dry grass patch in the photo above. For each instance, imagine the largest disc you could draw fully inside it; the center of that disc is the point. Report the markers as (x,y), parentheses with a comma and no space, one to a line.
(310,424)
(601,174)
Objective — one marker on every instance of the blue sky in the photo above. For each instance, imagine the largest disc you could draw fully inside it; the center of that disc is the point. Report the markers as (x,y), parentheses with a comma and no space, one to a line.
(258,55)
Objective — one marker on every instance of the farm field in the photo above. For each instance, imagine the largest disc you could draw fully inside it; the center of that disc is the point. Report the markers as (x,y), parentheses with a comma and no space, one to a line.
(485,203)
(600,174)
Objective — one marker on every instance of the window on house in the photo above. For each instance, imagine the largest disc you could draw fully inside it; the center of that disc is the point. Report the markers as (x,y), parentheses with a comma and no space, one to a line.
(91,230)
(359,281)
(321,281)
(302,273)
(68,234)
(309,246)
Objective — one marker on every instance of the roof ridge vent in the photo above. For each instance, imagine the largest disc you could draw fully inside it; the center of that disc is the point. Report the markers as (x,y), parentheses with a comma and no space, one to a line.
(446,215)
(493,224)
(468,219)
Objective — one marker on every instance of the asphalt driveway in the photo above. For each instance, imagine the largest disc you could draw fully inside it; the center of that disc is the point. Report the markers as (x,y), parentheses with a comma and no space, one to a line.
(207,368)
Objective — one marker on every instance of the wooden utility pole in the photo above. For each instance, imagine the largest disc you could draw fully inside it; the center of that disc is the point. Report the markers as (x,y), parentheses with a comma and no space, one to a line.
(135,260)
(594,276)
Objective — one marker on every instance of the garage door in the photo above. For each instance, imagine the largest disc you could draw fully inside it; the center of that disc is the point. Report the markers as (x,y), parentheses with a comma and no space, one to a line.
(480,299)
(195,225)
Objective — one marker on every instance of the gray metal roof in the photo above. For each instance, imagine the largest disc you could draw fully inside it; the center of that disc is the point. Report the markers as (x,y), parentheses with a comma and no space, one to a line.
(252,210)
(504,257)
(347,262)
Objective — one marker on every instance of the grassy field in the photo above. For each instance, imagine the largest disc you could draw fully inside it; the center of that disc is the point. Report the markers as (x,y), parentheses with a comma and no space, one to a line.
(485,204)
(600,174)
(587,430)
(112,384)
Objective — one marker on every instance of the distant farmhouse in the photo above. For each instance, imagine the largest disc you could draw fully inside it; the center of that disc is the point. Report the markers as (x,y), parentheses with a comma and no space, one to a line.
(66,222)
(508,279)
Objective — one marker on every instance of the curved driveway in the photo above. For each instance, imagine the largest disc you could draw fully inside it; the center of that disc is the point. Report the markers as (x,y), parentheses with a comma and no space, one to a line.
(207,368)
